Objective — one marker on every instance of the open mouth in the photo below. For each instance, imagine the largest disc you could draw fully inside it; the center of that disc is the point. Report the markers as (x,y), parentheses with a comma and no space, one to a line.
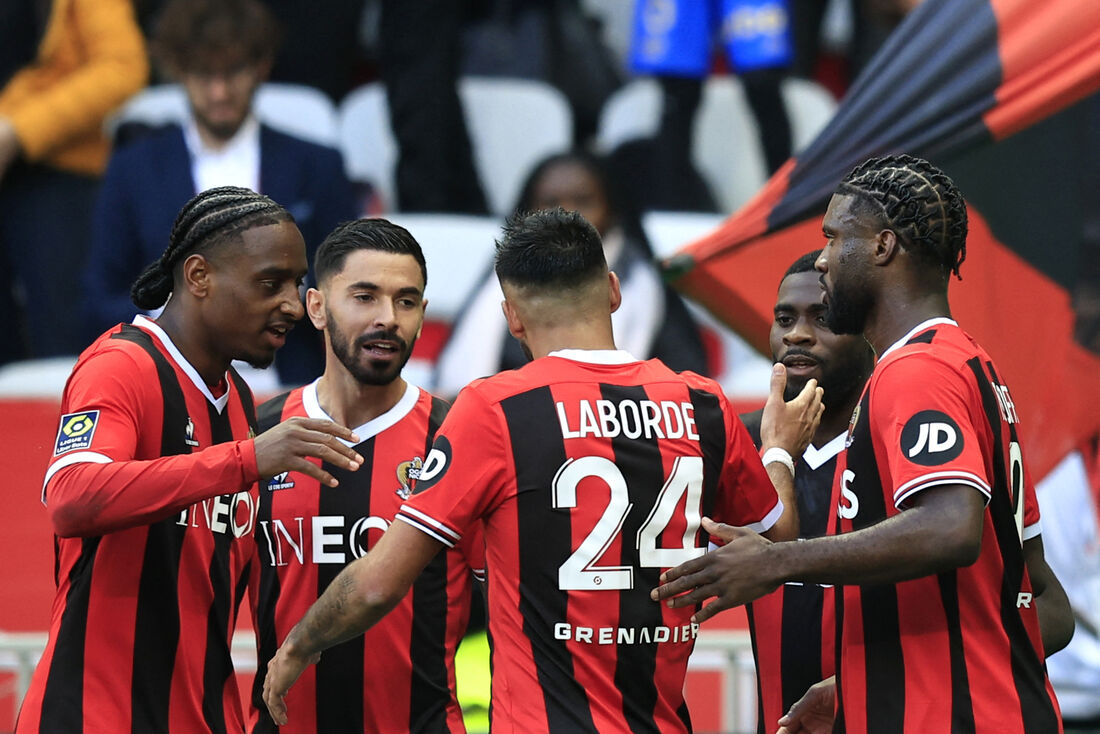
(381,349)
(278,332)
(800,363)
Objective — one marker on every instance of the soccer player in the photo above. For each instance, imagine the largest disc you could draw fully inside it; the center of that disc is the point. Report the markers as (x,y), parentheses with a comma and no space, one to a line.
(399,677)
(591,472)
(937,544)
(793,627)
(152,486)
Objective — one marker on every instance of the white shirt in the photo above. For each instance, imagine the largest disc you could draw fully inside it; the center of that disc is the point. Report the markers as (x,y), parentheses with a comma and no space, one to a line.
(237,163)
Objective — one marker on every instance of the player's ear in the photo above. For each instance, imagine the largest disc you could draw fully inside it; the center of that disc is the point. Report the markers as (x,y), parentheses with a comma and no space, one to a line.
(196,275)
(614,290)
(423,309)
(886,247)
(315,307)
(515,323)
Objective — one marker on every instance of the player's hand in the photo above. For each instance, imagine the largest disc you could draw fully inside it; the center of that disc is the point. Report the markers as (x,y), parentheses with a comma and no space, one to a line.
(814,712)
(790,425)
(282,671)
(735,574)
(287,446)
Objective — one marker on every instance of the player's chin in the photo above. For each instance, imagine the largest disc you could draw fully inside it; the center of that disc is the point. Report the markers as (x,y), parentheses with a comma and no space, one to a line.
(260,359)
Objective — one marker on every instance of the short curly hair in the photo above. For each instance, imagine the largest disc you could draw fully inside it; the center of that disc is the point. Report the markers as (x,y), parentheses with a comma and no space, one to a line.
(919,202)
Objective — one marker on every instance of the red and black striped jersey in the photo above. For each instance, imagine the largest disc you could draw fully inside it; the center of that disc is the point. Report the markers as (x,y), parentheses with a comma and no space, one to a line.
(591,471)
(399,676)
(957,651)
(147,596)
(793,628)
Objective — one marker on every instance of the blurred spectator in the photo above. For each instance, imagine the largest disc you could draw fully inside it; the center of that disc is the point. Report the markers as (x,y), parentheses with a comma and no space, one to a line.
(419,55)
(673,40)
(220,51)
(64,66)
(652,321)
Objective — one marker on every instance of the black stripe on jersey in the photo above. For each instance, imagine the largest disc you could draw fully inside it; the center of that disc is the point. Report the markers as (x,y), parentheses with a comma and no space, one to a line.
(878,604)
(962,706)
(711,427)
(340,672)
(63,697)
(247,402)
(545,542)
(218,664)
(749,614)
(430,692)
(1028,671)
(156,629)
(800,640)
(639,460)
(923,338)
(271,413)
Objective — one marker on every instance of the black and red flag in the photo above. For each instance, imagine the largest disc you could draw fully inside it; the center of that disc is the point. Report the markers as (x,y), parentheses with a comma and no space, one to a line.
(991,91)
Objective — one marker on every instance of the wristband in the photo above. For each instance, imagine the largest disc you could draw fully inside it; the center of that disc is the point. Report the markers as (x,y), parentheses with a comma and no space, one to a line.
(777,455)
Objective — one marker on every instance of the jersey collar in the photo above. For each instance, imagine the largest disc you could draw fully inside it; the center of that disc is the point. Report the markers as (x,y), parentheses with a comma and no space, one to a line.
(372,427)
(595,356)
(161,335)
(916,330)
(816,457)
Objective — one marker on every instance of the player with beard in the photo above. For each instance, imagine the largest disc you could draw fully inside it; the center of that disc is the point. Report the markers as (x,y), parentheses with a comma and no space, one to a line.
(399,677)
(948,605)
(792,628)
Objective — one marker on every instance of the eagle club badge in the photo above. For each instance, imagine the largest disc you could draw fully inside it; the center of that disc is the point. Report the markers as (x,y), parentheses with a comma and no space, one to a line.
(852,425)
(407,473)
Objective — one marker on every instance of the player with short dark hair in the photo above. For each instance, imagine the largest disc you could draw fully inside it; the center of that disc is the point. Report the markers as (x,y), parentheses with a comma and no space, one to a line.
(591,472)
(793,627)
(151,488)
(400,676)
(937,538)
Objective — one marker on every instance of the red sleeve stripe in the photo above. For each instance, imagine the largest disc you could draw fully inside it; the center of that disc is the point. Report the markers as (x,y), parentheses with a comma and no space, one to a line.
(425,524)
(913,486)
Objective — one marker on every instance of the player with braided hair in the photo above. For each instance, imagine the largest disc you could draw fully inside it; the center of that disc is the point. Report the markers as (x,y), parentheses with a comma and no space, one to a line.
(152,486)
(948,606)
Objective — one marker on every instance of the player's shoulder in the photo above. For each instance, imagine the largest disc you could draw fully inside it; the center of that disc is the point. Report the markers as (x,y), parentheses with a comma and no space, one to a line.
(941,349)
(122,347)
(275,410)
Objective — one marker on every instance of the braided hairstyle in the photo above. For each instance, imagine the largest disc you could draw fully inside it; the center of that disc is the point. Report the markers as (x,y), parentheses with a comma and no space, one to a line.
(919,202)
(211,218)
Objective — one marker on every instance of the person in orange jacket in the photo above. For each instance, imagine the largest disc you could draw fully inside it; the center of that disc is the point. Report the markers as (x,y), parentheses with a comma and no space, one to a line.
(90,58)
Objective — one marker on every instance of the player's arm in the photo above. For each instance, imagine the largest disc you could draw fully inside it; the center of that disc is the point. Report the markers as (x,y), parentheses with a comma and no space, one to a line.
(787,427)
(1055,614)
(356,599)
(941,529)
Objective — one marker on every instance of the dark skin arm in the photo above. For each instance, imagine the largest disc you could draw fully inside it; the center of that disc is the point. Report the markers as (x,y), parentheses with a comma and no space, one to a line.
(1055,614)
(940,530)
(364,592)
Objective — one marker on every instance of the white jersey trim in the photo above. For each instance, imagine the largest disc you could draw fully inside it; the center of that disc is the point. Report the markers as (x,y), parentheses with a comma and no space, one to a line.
(80,457)
(426,528)
(153,328)
(916,330)
(913,486)
(769,520)
(372,427)
(595,356)
(815,457)
(1032,531)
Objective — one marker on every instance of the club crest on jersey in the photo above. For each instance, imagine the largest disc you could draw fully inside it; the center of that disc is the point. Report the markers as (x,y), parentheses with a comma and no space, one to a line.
(280,481)
(931,438)
(407,473)
(189,433)
(436,465)
(75,431)
(852,426)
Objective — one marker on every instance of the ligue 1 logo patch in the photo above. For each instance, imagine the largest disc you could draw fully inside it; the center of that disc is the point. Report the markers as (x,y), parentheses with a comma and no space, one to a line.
(76,431)
(407,473)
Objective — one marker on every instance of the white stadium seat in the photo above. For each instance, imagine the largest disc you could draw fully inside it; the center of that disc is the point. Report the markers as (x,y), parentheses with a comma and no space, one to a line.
(295,109)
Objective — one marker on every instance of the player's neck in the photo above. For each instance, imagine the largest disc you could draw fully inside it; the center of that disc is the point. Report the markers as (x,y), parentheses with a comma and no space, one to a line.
(895,317)
(352,403)
(210,366)
(546,339)
(836,418)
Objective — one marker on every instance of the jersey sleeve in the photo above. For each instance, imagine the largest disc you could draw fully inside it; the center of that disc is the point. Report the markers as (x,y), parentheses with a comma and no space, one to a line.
(472,547)
(928,436)
(95,484)
(746,495)
(462,478)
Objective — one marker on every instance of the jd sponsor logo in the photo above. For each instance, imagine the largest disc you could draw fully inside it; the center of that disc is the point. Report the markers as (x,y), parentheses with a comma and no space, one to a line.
(76,431)
(435,466)
(931,438)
